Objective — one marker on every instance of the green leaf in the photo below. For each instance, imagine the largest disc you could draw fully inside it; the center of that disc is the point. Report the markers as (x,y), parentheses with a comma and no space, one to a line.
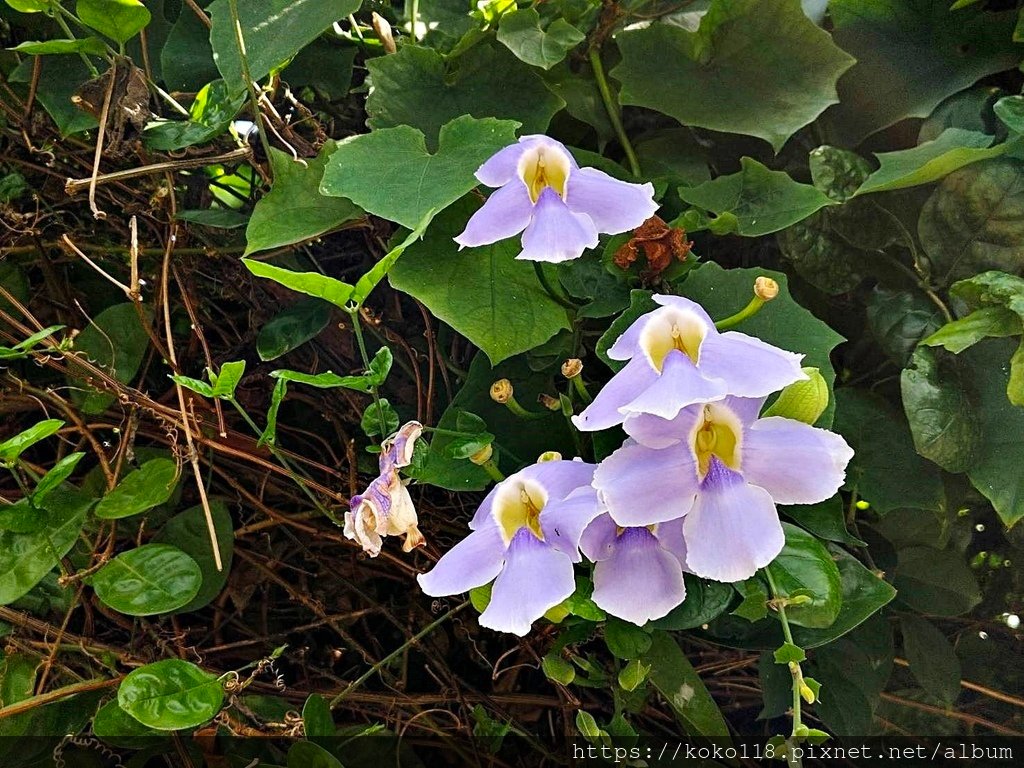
(306,754)
(365,284)
(806,568)
(151,579)
(119,20)
(314,284)
(633,675)
(488,296)
(22,348)
(186,60)
(853,672)
(781,322)
(195,385)
(209,117)
(705,601)
(225,382)
(933,661)
(826,520)
(417,88)
(911,54)
(984,323)
(115,726)
(17,678)
(92,45)
(1010,110)
(26,557)
(317,720)
(520,31)
(557,669)
(787,652)
(762,201)
(996,471)
(640,303)
(22,517)
(294,210)
(757,67)
(935,581)
(13,447)
(390,173)
(273,30)
(676,679)
(899,319)
(974,221)
(52,480)
(114,340)
(625,640)
(292,327)
(29,6)
(884,455)
(380,366)
(942,420)
(754,605)
(171,695)
(150,485)
(380,419)
(59,77)
(188,532)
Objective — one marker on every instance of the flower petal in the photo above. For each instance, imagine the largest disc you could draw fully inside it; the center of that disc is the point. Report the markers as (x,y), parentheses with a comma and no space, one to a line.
(681,302)
(614,206)
(472,562)
(558,478)
(503,166)
(796,463)
(604,411)
(555,233)
(670,534)
(640,581)
(749,366)
(642,485)
(656,432)
(599,538)
(506,213)
(733,528)
(680,384)
(535,579)
(563,521)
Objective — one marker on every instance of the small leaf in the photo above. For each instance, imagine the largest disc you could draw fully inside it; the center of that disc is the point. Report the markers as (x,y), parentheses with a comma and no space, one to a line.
(92,45)
(119,20)
(292,328)
(557,669)
(225,383)
(932,658)
(317,720)
(520,31)
(150,485)
(587,726)
(315,284)
(194,385)
(626,640)
(754,606)
(117,342)
(13,447)
(805,568)
(984,323)
(306,754)
(151,579)
(52,480)
(788,653)
(170,695)
(210,116)
(633,675)
(379,419)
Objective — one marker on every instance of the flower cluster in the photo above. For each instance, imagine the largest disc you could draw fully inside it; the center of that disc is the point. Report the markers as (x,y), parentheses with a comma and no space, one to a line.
(693,489)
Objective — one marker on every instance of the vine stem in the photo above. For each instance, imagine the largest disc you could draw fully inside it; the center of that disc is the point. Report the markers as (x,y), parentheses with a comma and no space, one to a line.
(613,110)
(795,671)
(254,99)
(357,328)
(748,311)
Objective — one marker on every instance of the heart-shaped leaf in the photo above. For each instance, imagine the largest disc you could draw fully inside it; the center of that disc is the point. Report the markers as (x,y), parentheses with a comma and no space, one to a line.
(171,695)
(119,20)
(154,578)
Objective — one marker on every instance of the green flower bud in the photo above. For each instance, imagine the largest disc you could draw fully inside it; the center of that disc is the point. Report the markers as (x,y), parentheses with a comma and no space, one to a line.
(802,400)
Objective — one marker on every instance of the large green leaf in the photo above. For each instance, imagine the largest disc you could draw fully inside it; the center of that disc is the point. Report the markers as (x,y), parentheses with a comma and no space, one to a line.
(705,601)
(486,294)
(209,116)
(306,754)
(984,323)
(853,673)
(416,88)
(294,210)
(911,54)
(826,520)
(57,79)
(761,201)
(899,319)
(151,579)
(996,471)
(26,557)
(114,340)
(188,532)
(274,31)
(974,220)
(938,407)
(186,59)
(805,568)
(675,678)
(884,455)
(292,327)
(935,581)
(13,447)
(520,31)
(932,658)
(781,322)
(171,695)
(390,173)
(149,485)
(928,162)
(758,67)
(119,20)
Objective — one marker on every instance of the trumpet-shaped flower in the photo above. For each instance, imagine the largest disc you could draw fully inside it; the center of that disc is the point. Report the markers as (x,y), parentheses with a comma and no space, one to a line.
(559,207)
(722,470)
(525,536)
(386,508)
(638,571)
(677,358)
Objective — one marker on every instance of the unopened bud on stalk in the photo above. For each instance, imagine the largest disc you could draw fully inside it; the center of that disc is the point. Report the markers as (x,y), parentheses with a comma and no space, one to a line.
(383,30)
(765,288)
(482,456)
(501,391)
(572,367)
(549,456)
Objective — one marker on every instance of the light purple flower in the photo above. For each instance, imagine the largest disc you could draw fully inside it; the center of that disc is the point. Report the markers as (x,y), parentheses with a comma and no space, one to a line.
(677,358)
(386,508)
(722,470)
(561,206)
(525,536)
(638,571)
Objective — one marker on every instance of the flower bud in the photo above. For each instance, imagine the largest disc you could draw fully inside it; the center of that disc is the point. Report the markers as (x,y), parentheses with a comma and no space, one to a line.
(483,455)
(549,402)
(501,391)
(549,456)
(765,288)
(572,367)
(802,400)
(383,30)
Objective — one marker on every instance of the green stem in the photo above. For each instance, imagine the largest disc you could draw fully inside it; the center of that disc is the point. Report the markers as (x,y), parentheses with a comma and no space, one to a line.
(254,99)
(581,389)
(613,110)
(513,405)
(492,469)
(748,311)
(794,668)
(71,36)
(397,652)
(357,328)
(414,8)
(550,289)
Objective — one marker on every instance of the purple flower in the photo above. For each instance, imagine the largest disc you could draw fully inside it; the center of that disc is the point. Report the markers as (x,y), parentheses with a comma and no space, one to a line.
(638,571)
(386,508)
(722,470)
(561,206)
(525,536)
(677,358)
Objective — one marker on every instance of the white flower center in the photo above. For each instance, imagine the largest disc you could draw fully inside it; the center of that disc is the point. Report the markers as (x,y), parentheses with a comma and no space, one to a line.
(718,432)
(517,505)
(541,167)
(672,328)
